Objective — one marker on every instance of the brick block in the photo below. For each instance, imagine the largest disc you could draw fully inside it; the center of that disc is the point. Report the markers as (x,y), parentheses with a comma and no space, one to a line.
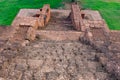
(31,34)
(44,15)
(29,22)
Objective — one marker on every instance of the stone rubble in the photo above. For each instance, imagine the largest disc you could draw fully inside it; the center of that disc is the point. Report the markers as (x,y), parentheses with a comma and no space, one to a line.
(55,61)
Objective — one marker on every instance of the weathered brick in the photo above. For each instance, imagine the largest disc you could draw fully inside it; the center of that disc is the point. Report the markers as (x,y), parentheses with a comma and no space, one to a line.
(44,16)
(31,34)
(29,22)
(76,17)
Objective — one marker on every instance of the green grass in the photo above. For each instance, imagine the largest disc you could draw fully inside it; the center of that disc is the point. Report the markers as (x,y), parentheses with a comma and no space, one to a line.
(9,8)
(109,9)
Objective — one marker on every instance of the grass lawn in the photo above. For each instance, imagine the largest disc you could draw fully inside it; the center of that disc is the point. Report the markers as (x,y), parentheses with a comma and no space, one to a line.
(109,9)
(9,8)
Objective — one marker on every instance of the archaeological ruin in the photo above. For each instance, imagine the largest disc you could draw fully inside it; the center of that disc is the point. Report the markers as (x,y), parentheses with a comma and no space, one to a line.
(57,44)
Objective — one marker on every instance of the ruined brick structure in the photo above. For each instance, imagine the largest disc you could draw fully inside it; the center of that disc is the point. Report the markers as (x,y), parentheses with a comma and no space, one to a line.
(45,44)
(44,15)
(77,18)
(27,25)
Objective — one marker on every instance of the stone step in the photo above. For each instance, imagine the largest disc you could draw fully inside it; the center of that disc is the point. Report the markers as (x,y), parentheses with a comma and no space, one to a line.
(58,35)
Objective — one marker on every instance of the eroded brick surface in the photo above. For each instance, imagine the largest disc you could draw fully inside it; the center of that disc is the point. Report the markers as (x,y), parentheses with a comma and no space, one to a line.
(55,61)
(58,35)
(77,18)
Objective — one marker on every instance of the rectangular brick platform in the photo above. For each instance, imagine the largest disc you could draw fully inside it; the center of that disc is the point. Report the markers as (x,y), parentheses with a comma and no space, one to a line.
(59,22)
